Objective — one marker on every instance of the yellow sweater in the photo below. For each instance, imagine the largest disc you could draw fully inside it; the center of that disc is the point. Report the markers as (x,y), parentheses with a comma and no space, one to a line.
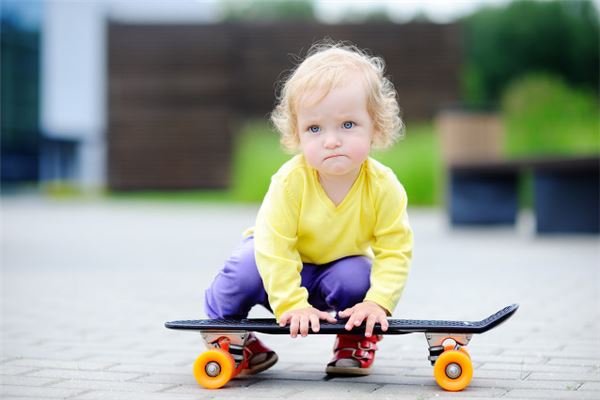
(297,223)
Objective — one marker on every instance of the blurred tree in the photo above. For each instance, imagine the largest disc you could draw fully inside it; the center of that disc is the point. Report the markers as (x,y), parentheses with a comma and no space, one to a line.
(265,10)
(420,16)
(558,37)
(378,14)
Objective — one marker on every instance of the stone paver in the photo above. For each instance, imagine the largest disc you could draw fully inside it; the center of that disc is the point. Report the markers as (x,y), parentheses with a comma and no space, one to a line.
(87,286)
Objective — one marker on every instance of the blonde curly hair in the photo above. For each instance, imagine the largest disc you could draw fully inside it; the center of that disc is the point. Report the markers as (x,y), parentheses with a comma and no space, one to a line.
(326,67)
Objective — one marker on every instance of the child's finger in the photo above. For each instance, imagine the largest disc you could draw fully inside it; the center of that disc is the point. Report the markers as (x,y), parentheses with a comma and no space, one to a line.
(314,323)
(384,323)
(347,312)
(284,319)
(349,323)
(327,317)
(370,325)
(359,317)
(304,322)
(355,320)
(294,325)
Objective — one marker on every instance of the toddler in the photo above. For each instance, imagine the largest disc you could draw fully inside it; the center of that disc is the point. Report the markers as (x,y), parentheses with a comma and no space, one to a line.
(332,233)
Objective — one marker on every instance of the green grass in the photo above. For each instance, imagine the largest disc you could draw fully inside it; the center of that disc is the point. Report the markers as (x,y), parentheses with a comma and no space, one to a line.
(416,160)
(257,156)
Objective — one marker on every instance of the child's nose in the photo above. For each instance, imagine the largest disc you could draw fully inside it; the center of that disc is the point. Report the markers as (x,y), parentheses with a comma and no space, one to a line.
(332,140)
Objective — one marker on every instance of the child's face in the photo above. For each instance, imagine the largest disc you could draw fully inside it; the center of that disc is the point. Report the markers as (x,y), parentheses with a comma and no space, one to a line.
(336,131)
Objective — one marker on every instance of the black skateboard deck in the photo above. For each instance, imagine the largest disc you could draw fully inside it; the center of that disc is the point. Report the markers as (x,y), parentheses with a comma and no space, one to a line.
(396,326)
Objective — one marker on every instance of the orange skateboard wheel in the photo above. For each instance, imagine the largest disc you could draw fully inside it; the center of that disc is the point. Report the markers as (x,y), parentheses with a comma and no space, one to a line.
(461,348)
(453,370)
(214,368)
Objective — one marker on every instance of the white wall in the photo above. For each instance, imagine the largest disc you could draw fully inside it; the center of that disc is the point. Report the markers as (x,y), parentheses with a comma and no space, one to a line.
(73,68)
(73,82)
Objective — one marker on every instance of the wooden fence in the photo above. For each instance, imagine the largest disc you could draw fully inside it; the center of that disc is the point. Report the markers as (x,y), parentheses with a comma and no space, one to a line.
(176,91)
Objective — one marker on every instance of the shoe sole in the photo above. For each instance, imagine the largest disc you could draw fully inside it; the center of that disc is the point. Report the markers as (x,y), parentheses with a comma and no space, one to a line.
(347,371)
(268,363)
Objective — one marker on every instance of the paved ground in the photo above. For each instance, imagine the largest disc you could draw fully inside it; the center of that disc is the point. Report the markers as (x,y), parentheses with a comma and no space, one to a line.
(86,287)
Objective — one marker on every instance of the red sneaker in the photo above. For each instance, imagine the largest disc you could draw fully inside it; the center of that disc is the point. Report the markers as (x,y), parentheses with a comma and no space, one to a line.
(257,356)
(353,355)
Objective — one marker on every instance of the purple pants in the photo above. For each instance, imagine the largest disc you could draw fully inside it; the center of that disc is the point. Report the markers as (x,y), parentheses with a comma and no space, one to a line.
(331,287)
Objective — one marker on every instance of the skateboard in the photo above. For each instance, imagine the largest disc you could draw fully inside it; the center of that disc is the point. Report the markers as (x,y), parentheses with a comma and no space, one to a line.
(452,367)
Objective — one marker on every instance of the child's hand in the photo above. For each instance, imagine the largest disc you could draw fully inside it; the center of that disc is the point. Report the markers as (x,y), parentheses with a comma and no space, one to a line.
(300,320)
(368,310)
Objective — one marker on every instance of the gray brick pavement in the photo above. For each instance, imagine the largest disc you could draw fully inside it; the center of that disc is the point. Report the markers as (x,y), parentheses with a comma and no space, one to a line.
(86,287)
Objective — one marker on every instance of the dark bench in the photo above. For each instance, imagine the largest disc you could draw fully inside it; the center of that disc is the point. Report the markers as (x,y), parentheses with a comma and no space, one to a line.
(483,194)
(566,193)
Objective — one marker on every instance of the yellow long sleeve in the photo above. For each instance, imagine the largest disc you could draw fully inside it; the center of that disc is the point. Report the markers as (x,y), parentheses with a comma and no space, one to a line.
(297,223)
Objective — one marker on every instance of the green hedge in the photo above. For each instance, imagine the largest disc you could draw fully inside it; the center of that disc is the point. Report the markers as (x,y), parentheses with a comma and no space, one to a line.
(544,116)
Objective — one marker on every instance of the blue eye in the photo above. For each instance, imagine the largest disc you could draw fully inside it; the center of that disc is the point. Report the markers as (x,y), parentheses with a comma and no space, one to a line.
(348,125)
(314,129)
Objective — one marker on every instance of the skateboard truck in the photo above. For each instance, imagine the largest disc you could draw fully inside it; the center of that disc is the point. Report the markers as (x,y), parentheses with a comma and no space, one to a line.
(439,342)
(231,341)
